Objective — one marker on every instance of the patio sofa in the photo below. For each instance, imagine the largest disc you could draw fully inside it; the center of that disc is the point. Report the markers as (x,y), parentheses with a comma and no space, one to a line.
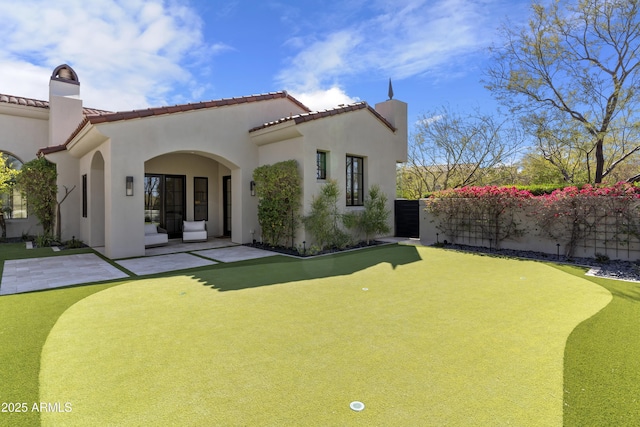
(155,236)
(194,231)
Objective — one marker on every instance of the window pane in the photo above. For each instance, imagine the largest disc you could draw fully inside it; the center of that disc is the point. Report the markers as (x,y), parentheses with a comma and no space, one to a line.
(14,205)
(19,205)
(152,200)
(358,184)
(200,199)
(321,165)
(84,196)
(355,181)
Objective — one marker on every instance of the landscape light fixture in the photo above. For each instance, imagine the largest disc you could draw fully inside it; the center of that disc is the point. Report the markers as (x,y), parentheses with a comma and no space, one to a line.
(252,188)
(356,406)
(129,186)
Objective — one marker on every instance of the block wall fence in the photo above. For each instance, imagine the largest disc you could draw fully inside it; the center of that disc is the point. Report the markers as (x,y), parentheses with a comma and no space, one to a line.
(608,237)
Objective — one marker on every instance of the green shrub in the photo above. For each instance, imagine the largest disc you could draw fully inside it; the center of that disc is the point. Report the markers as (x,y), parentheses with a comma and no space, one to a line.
(44,240)
(279,191)
(323,222)
(373,220)
(37,179)
(541,189)
(73,243)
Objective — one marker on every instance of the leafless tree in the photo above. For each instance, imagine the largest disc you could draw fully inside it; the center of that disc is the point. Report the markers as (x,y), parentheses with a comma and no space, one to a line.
(449,149)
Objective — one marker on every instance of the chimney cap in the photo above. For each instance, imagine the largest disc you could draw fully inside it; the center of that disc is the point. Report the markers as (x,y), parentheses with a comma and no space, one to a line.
(65,73)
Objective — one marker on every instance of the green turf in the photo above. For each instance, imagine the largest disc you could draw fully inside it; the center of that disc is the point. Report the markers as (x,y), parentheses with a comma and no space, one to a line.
(258,336)
(452,339)
(602,361)
(25,323)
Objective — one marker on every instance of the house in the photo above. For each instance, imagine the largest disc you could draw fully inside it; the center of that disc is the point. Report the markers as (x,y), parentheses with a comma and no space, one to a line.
(192,161)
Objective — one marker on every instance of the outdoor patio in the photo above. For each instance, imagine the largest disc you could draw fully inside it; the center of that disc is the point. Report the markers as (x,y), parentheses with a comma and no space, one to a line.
(33,274)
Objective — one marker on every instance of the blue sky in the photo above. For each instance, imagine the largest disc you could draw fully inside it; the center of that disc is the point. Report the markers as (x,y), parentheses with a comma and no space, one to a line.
(134,54)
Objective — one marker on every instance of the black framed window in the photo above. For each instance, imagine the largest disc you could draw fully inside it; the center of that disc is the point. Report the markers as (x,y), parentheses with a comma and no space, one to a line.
(200,199)
(84,196)
(355,181)
(321,165)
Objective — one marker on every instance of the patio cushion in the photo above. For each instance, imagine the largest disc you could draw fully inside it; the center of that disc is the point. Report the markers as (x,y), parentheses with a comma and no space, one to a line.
(152,236)
(193,226)
(150,229)
(194,231)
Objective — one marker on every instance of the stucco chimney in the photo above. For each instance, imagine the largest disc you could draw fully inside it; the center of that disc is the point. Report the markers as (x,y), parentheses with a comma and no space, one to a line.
(396,113)
(65,105)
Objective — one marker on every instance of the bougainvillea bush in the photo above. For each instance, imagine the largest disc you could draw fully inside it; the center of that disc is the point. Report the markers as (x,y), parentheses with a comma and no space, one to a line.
(487,212)
(570,215)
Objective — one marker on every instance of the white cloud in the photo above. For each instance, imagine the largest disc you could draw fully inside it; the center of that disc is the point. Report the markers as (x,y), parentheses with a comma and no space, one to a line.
(426,121)
(128,54)
(396,39)
(324,99)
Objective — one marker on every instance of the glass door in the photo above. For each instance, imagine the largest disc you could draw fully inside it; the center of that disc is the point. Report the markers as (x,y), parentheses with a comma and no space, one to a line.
(226,205)
(153,199)
(174,204)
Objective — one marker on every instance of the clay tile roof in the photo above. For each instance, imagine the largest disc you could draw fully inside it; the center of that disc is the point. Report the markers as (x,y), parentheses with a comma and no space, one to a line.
(9,99)
(28,102)
(103,117)
(94,111)
(314,115)
(50,150)
(99,116)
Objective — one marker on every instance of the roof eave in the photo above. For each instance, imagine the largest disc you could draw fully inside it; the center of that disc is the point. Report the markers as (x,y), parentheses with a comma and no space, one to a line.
(278,132)
(85,139)
(29,111)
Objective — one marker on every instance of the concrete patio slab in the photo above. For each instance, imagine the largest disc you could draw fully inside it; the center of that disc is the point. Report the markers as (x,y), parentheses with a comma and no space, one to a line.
(25,275)
(176,245)
(163,263)
(235,253)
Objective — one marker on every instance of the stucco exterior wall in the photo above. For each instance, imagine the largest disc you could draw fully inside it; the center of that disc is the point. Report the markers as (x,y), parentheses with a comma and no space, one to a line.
(532,239)
(219,135)
(396,112)
(213,142)
(359,134)
(65,108)
(68,176)
(24,131)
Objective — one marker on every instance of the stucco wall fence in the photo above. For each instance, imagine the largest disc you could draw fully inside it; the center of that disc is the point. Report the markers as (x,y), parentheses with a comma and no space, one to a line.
(605,240)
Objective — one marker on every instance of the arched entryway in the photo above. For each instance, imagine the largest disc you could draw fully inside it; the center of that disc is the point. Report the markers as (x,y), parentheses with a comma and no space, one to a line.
(96,201)
(188,186)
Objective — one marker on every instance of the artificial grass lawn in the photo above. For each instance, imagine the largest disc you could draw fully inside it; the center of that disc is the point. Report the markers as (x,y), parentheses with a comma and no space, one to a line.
(452,339)
(25,323)
(602,361)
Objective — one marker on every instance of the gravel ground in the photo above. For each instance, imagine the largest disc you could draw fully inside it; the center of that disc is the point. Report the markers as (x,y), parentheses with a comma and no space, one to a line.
(612,269)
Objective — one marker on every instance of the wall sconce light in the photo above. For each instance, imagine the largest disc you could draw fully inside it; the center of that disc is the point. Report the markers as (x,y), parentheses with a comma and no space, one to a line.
(252,187)
(129,186)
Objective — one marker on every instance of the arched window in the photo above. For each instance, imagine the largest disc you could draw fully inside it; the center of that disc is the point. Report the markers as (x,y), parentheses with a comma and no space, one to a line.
(13,203)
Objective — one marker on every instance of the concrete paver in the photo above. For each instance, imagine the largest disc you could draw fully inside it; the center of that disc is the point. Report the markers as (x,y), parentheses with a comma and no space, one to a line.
(235,253)
(24,275)
(163,263)
(176,245)
(33,274)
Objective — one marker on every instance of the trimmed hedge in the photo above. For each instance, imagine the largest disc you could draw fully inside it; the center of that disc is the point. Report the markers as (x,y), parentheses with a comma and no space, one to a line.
(279,192)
